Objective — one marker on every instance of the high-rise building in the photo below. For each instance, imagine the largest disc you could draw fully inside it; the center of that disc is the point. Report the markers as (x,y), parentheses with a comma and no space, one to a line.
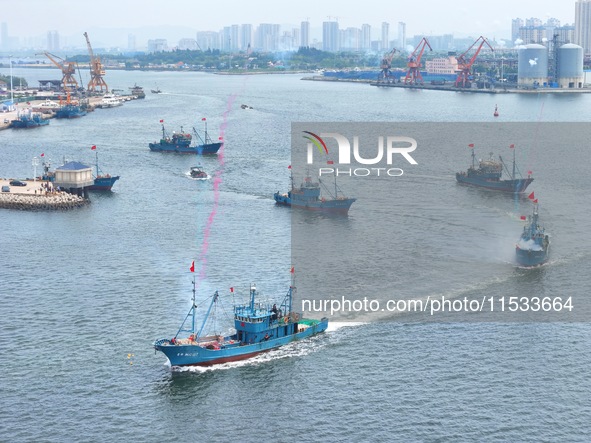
(583,25)
(235,40)
(330,36)
(208,40)
(350,39)
(246,36)
(53,41)
(516,23)
(158,45)
(267,37)
(305,34)
(188,44)
(402,35)
(385,36)
(365,44)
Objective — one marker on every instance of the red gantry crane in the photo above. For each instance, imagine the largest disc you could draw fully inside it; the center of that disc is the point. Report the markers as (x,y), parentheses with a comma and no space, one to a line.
(96,71)
(385,66)
(413,75)
(68,70)
(465,67)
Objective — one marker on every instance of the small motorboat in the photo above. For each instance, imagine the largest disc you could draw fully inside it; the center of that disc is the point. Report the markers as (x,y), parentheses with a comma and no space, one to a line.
(198,172)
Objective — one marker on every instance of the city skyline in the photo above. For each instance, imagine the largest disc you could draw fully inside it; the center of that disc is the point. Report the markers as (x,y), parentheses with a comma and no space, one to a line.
(70,18)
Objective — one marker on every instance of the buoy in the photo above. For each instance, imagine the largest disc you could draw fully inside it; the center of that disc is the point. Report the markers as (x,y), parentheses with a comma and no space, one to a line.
(496,113)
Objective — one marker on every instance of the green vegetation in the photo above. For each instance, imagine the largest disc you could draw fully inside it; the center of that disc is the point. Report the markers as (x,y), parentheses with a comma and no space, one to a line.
(16,81)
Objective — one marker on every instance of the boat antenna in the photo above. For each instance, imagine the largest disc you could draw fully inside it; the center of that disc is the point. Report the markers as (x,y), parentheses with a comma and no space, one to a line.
(292,288)
(253,290)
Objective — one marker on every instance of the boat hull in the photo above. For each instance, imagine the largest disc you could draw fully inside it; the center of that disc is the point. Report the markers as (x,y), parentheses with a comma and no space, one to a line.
(103,183)
(210,148)
(194,355)
(337,205)
(18,124)
(530,258)
(516,186)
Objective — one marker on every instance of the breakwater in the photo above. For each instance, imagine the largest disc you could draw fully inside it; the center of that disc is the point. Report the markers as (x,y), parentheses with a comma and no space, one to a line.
(48,202)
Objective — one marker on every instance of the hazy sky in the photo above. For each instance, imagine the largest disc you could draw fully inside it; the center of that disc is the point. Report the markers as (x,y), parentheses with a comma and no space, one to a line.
(460,17)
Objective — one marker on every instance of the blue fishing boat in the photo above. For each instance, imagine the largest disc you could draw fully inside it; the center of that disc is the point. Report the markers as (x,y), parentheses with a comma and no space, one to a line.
(28,119)
(181,143)
(259,328)
(489,173)
(533,246)
(307,196)
(102,182)
(70,111)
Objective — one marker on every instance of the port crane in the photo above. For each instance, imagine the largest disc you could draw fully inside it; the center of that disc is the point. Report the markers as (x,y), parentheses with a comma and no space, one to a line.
(385,66)
(413,75)
(68,71)
(465,67)
(96,70)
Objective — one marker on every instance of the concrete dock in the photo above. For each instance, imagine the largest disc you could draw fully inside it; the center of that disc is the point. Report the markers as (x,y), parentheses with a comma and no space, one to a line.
(37,196)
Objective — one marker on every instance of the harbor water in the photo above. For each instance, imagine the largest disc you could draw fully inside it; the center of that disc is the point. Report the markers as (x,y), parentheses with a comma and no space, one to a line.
(86,292)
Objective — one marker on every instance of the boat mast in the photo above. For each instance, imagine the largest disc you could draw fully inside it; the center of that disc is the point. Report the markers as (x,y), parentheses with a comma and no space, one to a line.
(97,167)
(213,300)
(253,290)
(513,175)
(473,159)
(163,131)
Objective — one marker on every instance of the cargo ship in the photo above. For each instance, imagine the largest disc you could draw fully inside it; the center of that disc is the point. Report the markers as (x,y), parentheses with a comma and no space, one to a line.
(489,174)
(259,328)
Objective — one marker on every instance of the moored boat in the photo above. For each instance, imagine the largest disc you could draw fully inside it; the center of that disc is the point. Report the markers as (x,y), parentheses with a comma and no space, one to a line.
(259,328)
(307,196)
(489,174)
(70,111)
(27,120)
(181,143)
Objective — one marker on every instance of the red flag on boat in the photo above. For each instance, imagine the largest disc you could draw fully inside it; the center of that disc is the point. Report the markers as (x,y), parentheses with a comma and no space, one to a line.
(523,217)
(292,270)
(93,147)
(161,121)
(192,268)
(511,146)
(289,167)
(530,172)
(203,119)
(531,196)
(231,289)
(42,155)
(471,145)
(330,162)
(536,200)
(220,138)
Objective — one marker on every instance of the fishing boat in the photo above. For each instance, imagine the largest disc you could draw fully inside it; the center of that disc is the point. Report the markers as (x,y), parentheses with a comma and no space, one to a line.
(489,172)
(28,119)
(533,246)
(259,328)
(138,91)
(181,143)
(197,172)
(156,91)
(70,111)
(102,182)
(307,196)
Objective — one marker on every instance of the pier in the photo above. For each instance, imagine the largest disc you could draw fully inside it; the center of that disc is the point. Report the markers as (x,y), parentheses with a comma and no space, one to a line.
(36,197)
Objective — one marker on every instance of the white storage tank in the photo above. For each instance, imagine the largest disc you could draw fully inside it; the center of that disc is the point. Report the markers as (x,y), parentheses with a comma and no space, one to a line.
(532,66)
(570,66)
